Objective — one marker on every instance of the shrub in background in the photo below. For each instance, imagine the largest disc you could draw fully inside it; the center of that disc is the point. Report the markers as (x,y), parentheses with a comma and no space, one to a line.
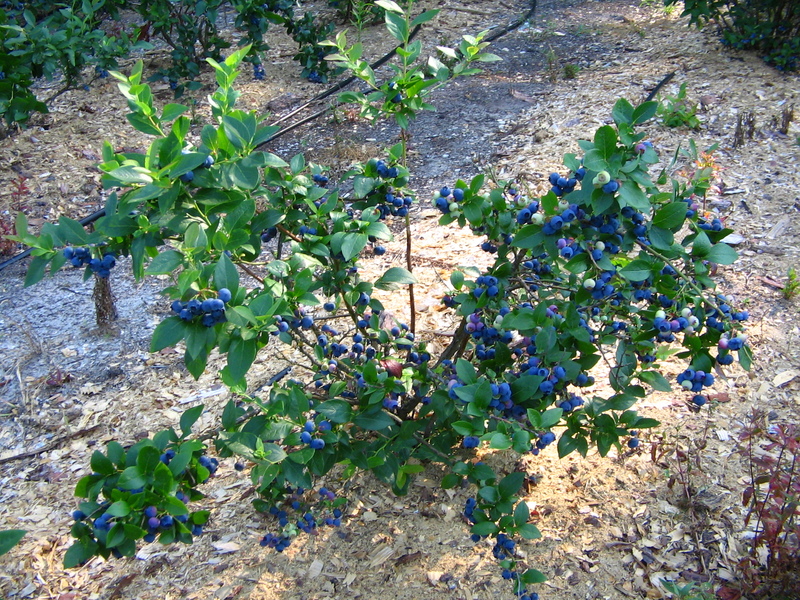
(769,27)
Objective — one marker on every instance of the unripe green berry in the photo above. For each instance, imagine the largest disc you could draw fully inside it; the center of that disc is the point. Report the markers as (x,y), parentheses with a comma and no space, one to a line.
(601,179)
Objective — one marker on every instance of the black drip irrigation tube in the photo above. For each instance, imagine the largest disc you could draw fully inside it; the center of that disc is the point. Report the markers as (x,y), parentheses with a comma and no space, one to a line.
(332,90)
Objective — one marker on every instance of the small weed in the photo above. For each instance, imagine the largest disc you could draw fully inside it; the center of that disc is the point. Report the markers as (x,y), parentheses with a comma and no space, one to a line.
(18,192)
(772,455)
(689,591)
(745,128)
(677,111)
(552,65)
(571,71)
(792,287)
(680,456)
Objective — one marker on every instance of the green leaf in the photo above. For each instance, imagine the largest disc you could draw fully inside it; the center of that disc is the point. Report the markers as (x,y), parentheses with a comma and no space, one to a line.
(10,538)
(550,417)
(373,420)
(655,380)
(164,263)
(529,236)
(71,231)
(644,112)
(225,274)
(484,528)
(240,132)
(241,355)
(465,371)
(500,441)
(297,163)
(530,576)
(101,464)
(353,244)
(394,278)
(147,459)
(670,216)
(521,514)
(81,551)
(230,415)
(119,509)
(605,141)
(450,481)
(36,270)
(511,484)
(143,124)
(661,239)
(424,17)
(722,254)
(701,245)
(189,418)
(195,236)
(181,460)
(172,112)
(337,411)
(168,333)
(463,427)
(362,186)
(389,5)
(175,507)
(636,270)
(187,162)
(131,174)
(397,26)
(131,479)
(630,194)
(622,112)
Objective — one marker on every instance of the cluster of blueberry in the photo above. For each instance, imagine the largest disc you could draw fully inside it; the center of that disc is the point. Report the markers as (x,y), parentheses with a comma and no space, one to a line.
(81,257)
(385,171)
(694,381)
(307,522)
(634,441)
(306,436)
(446,200)
(258,72)
(486,284)
(503,550)
(269,234)
(211,310)
(572,403)
(562,185)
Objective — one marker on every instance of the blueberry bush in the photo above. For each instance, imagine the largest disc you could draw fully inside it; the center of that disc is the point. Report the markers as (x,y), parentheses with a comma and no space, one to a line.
(606,275)
(81,43)
(38,41)
(769,27)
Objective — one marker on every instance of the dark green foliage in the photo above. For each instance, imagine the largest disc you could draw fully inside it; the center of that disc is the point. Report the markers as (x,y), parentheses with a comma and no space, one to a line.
(358,12)
(769,27)
(37,40)
(311,55)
